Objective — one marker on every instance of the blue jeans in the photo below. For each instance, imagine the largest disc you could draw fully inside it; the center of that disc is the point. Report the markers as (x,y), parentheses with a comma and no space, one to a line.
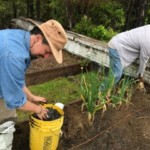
(115,64)
(115,69)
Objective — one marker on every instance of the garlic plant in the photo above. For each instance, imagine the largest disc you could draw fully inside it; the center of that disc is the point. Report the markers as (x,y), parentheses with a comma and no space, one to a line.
(89,93)
(95,98)
(123,92)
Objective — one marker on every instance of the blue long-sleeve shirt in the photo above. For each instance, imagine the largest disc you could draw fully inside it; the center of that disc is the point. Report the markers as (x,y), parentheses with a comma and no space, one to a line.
(14,60)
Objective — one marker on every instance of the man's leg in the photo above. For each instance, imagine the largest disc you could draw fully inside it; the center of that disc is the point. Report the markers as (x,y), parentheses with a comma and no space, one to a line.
(115,70)
(115,64)
(6,114)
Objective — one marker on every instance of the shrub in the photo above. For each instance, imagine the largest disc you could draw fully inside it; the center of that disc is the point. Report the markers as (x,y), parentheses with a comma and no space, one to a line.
(101,33)
(86,28)
(110,15)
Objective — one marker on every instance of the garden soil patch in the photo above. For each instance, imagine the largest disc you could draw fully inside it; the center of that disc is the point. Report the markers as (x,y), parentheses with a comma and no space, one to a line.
(41,64)
(127,128)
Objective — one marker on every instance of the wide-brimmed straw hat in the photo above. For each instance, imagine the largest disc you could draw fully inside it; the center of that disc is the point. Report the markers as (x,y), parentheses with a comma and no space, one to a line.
(55,36)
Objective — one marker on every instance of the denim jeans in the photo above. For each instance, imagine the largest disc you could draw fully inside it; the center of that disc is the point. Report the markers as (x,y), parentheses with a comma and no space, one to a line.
(115,68)
(115,64)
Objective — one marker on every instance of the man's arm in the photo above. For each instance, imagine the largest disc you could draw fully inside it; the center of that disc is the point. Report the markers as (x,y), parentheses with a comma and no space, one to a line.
(38,109)
(31,106)
(31,97)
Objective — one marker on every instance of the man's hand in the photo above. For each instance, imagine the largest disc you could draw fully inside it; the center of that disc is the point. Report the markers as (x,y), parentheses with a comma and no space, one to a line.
(31,97)
(40,110)
(141,84)
(43,113)
(141,87)
(38,99)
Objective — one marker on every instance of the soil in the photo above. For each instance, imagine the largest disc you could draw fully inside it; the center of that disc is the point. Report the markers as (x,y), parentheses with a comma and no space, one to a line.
(40,64)
(126,128)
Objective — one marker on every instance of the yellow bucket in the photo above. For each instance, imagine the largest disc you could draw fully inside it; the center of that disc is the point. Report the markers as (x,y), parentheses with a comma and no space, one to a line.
(44,135)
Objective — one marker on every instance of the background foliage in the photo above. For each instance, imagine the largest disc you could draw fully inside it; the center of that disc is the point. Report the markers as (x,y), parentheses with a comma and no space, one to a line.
(100,19)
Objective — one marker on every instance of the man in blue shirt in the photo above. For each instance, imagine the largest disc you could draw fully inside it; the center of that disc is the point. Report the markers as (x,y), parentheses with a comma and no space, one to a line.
(16,48)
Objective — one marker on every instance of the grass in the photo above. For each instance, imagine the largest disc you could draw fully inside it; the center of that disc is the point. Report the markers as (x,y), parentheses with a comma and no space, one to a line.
(67,89)
(59,90)
(64,90)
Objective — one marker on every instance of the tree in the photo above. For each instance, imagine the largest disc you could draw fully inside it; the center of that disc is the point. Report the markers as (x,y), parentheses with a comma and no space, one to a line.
(75,10)
(136,13)
(38,9)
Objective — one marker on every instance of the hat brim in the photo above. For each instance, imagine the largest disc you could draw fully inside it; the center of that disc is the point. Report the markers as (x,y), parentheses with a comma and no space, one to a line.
(56,53)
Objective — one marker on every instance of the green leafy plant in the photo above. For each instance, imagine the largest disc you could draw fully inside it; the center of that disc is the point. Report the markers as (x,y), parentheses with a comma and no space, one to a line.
(87,28)
(123,91)
(109,14)
(101,33)
(95,96)
(89,93)
(106,88)
(84,26)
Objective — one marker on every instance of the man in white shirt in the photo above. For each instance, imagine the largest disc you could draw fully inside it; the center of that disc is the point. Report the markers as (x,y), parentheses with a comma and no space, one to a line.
(126,47)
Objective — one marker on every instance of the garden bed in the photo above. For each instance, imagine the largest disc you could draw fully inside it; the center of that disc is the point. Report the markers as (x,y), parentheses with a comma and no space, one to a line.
(126,128)
(42,70)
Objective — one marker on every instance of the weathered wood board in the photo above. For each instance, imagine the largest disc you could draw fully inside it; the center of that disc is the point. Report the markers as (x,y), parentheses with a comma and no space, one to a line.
(97,51)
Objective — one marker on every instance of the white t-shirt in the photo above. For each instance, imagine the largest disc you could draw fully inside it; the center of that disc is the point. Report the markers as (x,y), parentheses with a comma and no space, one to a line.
(131,45)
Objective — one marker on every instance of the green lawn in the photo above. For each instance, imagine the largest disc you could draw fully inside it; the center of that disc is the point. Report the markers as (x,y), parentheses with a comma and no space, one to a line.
(64,90)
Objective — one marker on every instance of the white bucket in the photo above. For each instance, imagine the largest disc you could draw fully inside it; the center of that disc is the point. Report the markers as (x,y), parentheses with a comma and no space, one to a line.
(60,105)
(6,135)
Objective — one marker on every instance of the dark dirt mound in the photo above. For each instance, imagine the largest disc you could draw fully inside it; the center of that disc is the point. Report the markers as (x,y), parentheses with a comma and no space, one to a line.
(125,129)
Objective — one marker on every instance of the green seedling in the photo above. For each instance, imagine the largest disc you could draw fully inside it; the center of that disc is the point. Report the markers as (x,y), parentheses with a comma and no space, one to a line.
(124,92)
(96,97)
(89,93)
